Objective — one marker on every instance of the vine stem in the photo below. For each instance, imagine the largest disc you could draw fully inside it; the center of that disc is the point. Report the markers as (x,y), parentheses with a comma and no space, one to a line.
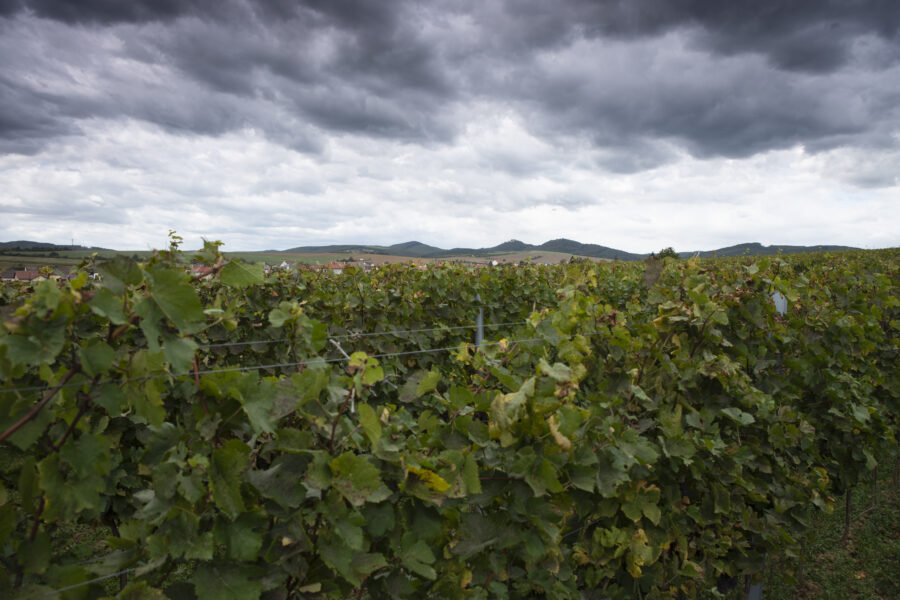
(337,418)
(647,356)
(341,350)
(123,327)
(20,573)
(40,405)
(699,341)
(197,381)
(81,410)
(502,363)
(166,574)
(111,521)
(37,518)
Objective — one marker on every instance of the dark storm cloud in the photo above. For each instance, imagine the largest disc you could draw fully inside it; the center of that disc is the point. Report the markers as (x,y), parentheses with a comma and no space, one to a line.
(632,76)
(806,35)
(104,11)
(716,78)
(285,68)
(27,120)
(743,109)
(801,34)
(812,35)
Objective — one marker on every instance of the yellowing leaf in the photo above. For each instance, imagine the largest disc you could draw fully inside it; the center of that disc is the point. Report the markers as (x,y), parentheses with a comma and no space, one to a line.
(431,479)
(561,440)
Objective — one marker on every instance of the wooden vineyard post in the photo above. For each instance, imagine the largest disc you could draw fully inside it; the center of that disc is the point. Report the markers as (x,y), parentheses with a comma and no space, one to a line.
(479,323)
(847,515)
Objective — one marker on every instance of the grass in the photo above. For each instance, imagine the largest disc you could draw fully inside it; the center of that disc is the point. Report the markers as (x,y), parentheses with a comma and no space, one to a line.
(865,566)
(35,262)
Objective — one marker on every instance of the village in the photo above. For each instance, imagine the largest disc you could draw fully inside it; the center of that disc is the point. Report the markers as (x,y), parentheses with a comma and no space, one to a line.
(35,274)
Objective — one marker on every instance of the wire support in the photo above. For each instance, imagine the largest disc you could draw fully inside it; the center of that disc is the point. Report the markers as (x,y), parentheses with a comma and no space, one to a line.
(52,593)
(105,556)
(345,336)
(285,365)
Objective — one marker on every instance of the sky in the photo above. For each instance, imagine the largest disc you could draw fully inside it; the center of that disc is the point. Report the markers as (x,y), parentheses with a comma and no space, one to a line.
(633,124)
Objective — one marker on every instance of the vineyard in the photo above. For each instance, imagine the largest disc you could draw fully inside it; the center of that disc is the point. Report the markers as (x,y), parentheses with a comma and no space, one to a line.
(623,430)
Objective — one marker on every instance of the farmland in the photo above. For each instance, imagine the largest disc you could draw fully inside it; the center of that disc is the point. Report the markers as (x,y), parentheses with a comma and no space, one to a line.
(68,259)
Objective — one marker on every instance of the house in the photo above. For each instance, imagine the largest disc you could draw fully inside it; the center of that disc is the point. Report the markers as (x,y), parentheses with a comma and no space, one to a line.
(202,271)
(8,275)
(29,276)
(62,274)
(336,267)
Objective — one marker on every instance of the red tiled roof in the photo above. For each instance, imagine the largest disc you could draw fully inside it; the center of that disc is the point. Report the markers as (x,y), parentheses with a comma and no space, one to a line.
(201,269)
(27,275)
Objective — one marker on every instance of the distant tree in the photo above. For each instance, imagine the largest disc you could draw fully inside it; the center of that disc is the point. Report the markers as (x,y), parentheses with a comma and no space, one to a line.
(667,252)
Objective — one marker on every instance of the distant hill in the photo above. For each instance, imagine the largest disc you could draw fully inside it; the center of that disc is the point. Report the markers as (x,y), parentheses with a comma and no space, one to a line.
(416,249)
(512,246)
(593,250)
(419,250)
(338,248)
(560,245)
(757,249)
(29,246)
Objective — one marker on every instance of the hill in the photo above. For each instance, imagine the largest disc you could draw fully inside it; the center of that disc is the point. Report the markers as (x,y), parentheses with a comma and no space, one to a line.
(415,249)
(593,250)
(757,249)
(30,246)
(419,250)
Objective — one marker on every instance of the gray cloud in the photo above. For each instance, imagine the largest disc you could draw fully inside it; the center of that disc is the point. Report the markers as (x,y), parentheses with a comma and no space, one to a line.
(802,35)
(718,78)
(103,12)
(665,91)
(329,67)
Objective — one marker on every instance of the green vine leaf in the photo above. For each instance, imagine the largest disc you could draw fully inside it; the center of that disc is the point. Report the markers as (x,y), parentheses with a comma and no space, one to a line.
(357,479)
(226,471)
(239,274)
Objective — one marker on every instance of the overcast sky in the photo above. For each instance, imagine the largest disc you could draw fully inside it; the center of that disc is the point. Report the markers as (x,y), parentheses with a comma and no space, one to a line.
(635,124)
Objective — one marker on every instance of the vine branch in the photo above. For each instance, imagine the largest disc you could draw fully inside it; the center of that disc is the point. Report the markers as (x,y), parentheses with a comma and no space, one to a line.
(40,405)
